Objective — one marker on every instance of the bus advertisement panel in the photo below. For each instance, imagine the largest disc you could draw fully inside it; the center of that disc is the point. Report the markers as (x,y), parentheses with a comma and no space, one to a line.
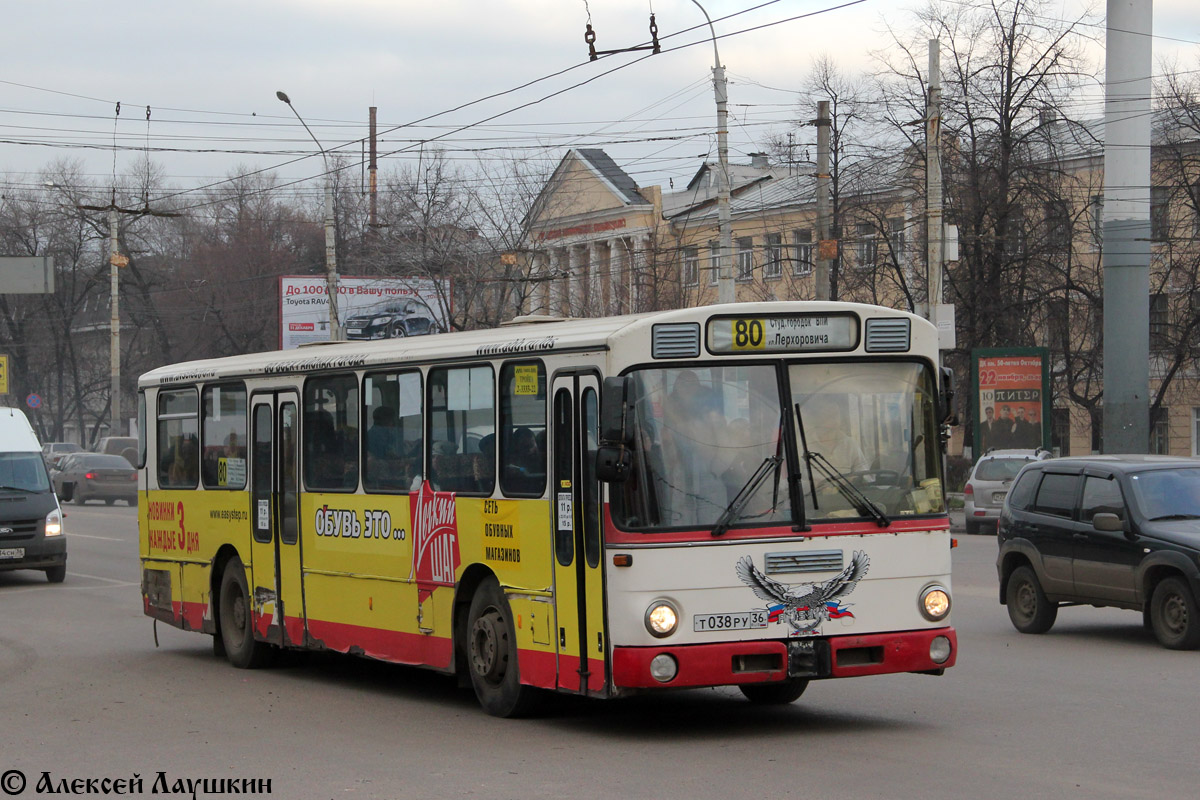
(369,308)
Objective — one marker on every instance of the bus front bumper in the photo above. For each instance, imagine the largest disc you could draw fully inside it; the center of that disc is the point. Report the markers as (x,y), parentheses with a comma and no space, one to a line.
(771,661)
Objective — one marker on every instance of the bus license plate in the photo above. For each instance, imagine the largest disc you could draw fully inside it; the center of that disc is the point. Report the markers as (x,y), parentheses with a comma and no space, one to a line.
(12,552)
(735,621)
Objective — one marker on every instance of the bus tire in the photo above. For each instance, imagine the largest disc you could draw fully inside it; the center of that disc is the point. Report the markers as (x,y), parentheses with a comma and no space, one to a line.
(774,694)
(492,654)
(237,620)
(1028,608)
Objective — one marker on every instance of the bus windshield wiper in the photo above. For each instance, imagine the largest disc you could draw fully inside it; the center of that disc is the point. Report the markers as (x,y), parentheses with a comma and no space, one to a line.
(769,465)
(862,504)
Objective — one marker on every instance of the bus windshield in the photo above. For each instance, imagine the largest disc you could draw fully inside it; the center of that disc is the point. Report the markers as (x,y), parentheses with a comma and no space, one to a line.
(709,445)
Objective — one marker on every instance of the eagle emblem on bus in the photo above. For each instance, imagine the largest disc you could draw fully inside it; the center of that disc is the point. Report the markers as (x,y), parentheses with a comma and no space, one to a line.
(805,606)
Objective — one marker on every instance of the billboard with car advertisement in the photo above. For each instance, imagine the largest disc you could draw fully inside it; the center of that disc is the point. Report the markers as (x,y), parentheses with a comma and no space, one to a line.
(1011,397)
(368,308)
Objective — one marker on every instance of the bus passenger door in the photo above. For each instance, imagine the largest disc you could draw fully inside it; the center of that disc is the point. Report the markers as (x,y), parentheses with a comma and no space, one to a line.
(277,592)
(575,504)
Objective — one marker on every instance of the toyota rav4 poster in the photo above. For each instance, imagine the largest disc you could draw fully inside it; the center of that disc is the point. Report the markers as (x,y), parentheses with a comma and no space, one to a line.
(368,308)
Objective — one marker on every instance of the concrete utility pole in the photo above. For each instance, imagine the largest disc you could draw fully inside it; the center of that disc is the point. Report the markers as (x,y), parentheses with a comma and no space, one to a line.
(114,326)
(372,172)
(824,265)
(934,253)
(1127,229)
(725,286)
(331,276)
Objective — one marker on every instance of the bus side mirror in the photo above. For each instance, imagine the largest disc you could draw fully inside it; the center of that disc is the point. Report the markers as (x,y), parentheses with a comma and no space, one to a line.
(946,398)
(613,459)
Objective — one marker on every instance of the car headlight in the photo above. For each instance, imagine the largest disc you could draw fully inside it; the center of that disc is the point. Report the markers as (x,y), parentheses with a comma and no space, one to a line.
(54,523)
(661,618)
(935,602)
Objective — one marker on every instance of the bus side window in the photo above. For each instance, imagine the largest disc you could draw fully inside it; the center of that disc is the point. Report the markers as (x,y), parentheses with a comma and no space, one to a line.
(330,432)
(523,429)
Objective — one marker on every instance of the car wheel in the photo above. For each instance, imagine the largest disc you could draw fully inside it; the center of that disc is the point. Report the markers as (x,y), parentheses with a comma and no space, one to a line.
(492,655)
(972,528)
(774,694)
(1174,615)
(56,574)
(397,331)
(108,501)
(237,620)
(1028,607)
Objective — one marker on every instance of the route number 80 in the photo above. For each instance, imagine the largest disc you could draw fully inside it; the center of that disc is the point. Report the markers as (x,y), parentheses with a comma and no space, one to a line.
(747,334)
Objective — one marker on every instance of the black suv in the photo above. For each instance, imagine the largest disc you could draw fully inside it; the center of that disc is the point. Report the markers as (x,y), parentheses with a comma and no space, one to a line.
(1118,531)
(392,319)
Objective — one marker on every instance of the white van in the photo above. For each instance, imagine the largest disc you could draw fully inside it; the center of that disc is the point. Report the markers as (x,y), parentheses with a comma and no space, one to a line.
(31,529)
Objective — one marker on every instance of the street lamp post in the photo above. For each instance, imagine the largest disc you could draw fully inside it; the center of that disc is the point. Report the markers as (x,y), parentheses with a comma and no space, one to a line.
(725,292)
(331,276)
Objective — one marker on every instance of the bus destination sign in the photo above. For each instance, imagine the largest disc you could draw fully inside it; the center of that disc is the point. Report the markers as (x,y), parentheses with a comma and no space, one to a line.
(784,333)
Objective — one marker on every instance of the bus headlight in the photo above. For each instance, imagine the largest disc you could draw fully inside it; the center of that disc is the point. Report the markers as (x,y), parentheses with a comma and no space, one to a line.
(935,602)
(661,619)
(54,523)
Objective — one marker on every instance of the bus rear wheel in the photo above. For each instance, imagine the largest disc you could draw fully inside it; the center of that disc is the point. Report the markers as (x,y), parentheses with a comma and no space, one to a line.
(237,620)
(492,655)
(774,694)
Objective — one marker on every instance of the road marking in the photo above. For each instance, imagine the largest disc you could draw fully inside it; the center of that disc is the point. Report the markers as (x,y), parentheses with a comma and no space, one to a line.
(90,536)
(106,580)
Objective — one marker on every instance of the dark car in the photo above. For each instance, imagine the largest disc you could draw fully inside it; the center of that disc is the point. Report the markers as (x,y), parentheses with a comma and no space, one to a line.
(1119,531)
(392,319)
(95,476)
(125,446)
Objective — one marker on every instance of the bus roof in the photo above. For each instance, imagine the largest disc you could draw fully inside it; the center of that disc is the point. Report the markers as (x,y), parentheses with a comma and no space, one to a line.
(509,341)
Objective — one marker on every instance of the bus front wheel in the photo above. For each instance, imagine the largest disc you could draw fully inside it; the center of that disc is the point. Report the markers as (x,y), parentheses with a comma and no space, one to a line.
(237,620)
(492,654)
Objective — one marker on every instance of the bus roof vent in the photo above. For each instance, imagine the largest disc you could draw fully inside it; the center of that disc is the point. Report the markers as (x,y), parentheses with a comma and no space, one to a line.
(675,340)
(888,335)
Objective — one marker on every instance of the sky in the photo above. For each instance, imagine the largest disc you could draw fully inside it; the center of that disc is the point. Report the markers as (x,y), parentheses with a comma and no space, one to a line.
(478,78)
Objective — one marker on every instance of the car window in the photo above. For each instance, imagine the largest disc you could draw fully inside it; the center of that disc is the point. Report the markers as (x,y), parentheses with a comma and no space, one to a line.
(102,461)
(1100,496)
(1056,495)
(1021,494)
(999,469)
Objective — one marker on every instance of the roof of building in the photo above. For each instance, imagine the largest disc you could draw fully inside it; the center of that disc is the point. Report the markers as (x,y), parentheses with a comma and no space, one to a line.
(602,163)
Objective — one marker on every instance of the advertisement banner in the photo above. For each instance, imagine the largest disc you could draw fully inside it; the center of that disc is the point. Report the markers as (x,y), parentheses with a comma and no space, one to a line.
(369,308)
(1012,398)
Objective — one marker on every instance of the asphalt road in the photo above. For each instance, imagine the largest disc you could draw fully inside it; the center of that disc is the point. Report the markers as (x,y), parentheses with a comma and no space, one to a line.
(1093,709)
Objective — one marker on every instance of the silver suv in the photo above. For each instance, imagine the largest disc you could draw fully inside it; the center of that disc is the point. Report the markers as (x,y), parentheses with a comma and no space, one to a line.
(984,494)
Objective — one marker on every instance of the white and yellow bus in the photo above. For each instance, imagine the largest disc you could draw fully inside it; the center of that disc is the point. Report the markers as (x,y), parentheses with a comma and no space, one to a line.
(746,495)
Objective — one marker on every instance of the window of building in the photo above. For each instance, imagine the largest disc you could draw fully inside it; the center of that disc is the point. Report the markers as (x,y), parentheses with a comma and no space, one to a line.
(1096,218)
(523,429)
(1097,416)
(691,266)
(802,262)
(1196,431)
(773,268)
(1060,431)
(395,438)
(745,258)
(1159,321)
(1058,224)
(178,439)
(330,433)
(896,238)
(1058,324)
(462,423)
(714,262)
(866,245)
(223,437)
(1160,430)
(1016,236)
(1159,218)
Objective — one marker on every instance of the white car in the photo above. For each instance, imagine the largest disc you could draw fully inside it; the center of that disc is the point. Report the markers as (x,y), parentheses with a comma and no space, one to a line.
(993,473)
